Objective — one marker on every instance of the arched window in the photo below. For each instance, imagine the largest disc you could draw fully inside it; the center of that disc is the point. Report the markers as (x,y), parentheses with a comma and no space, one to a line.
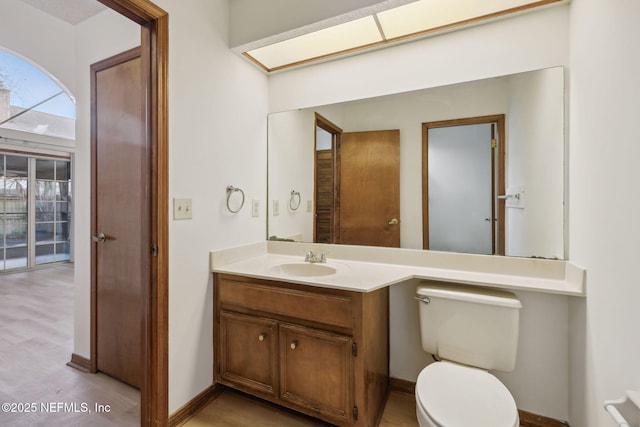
(31,101)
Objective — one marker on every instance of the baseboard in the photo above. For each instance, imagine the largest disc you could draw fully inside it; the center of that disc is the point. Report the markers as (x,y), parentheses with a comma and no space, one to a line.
(403,386)
(195,405)
(527,419)
(81,363)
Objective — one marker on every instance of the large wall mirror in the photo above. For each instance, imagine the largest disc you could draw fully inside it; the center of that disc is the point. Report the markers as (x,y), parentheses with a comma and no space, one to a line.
(358,172)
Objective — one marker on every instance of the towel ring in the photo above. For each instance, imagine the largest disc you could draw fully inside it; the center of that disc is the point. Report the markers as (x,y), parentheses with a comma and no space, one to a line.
(294,200)
(230,190)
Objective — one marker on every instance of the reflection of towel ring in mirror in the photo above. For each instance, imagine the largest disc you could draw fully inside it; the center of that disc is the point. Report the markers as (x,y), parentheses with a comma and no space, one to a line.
(230,190)
(294,200)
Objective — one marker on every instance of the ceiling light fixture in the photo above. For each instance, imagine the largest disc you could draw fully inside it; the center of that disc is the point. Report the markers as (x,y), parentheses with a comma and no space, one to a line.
(410,21)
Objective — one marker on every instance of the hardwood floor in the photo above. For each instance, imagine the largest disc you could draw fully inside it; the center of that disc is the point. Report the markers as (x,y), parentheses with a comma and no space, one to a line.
(36,342)
(233,409)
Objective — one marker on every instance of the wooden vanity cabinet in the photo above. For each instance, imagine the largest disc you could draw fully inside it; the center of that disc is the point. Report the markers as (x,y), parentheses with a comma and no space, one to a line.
(321,351)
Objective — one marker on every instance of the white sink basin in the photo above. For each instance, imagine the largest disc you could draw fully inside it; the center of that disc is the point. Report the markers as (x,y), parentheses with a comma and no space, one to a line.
(303,269)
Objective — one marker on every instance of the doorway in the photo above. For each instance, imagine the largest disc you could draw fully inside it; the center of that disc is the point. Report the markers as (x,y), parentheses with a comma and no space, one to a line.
(328,139)
(462,176)
(154,24)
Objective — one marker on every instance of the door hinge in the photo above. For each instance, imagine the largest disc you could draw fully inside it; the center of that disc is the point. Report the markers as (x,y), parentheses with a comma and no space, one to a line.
(154,250)
(354,349)
(494,143)
(355,412)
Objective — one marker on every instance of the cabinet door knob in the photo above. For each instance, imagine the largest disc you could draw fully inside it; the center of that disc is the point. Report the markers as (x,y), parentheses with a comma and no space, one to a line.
(262,337)
(293,345)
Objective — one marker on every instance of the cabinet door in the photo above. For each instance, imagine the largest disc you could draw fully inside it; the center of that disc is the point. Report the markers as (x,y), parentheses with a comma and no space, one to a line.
(316,372)
(248,353)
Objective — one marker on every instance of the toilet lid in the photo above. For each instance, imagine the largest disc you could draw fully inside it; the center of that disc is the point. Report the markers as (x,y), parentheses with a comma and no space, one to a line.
(461,396)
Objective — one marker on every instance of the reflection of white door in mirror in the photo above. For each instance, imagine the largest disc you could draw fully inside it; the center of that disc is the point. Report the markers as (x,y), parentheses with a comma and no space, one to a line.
(463,171)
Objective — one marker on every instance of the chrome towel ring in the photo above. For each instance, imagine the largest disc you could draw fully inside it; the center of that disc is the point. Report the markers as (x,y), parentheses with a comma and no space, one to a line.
(230,191)
(294,200)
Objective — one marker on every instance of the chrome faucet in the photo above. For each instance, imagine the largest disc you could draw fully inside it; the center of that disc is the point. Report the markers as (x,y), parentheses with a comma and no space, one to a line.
(313,258)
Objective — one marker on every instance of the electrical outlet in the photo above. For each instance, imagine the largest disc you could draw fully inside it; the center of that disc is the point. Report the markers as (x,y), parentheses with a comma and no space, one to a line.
(255,208)
(276,207)
(182,209)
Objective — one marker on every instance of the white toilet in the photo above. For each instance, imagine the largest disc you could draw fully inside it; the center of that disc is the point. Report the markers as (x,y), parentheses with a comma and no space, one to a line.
(471,330)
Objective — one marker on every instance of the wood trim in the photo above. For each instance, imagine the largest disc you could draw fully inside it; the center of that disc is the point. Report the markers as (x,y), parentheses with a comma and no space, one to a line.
(154,399)
(335,130)
(501,173)
(402,386)
(528,419)
(195,405)
(82,364)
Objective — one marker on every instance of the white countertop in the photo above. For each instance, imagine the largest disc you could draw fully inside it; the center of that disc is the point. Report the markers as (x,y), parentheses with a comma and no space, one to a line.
(366,269)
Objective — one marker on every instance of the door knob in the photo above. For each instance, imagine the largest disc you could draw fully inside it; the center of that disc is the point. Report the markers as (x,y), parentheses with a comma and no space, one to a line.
(294,345)
(262,337)
(394,221)
(99,237)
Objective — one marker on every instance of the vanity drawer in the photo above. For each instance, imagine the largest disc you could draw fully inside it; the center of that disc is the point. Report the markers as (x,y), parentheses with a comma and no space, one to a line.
(314,306)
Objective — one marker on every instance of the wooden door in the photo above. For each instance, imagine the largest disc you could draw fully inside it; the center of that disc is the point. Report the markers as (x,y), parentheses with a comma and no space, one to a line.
(120,212)
(370,188)
(248,353)
(325,203)
(316,372)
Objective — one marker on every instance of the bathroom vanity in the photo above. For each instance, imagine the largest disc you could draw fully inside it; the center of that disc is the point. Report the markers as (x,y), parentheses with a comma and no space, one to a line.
(314,337)
(318,350)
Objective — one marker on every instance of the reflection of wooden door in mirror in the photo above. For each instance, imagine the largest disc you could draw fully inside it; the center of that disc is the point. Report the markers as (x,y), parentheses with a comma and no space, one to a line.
(463,173)
(369,194)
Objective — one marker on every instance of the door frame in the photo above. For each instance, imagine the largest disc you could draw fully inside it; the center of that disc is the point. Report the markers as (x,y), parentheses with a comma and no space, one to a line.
(497,171)
(336,132)
(154,23)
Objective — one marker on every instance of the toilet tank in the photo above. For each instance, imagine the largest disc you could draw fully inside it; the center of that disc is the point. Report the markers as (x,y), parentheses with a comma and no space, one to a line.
(470,325)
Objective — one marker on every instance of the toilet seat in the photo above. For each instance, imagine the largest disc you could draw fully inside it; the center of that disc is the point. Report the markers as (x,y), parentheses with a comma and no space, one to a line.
(453,395)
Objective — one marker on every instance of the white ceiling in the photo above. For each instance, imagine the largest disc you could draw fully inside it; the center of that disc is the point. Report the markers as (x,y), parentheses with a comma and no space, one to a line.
(71,11)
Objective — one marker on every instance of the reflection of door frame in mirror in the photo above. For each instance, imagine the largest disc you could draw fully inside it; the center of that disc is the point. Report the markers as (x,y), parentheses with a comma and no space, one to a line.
(333,155)
(497,173)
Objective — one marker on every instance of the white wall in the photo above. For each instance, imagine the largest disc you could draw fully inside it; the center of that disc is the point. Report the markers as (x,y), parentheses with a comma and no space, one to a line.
(532,41)
(535,163)
(217,125)
(291,167)
(604,204)
(523,43)
(217,137)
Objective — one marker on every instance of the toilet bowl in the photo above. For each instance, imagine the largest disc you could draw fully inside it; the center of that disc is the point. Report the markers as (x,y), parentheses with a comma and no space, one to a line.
(472,330)
(453,395)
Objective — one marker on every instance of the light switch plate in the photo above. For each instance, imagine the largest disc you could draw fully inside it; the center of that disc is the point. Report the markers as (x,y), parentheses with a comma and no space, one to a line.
(309,205)
(255,208)
(182,209)
(276,207)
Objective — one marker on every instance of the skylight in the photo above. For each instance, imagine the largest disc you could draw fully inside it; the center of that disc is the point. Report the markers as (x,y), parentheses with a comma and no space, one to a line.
(419,18)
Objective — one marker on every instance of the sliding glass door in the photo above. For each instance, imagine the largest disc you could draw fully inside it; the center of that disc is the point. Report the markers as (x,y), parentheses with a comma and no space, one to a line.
(35,211)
